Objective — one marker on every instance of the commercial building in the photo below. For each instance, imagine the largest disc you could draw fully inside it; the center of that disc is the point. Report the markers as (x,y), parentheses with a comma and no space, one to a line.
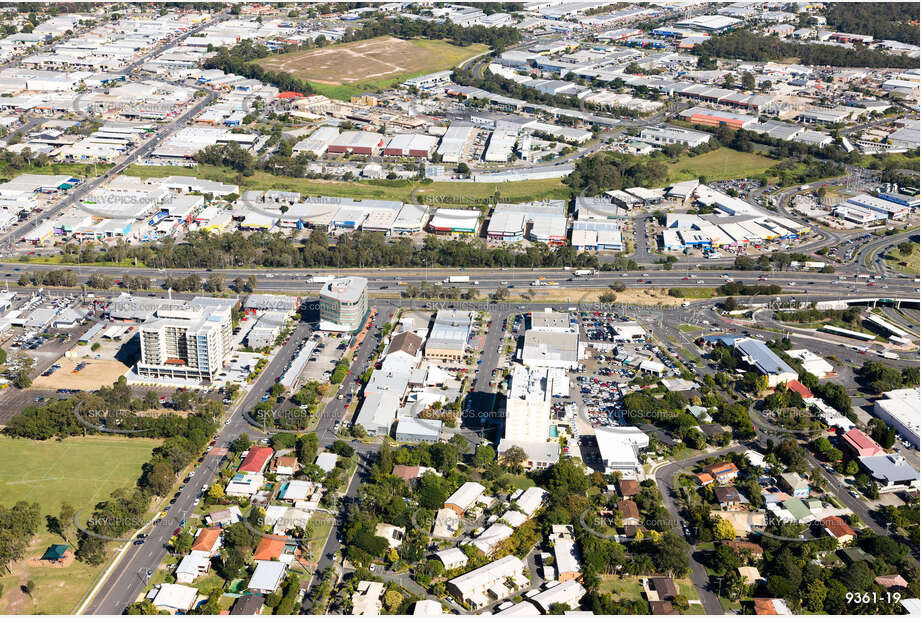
(527,406)
(890,209)
(758,355)
(674,135)
(186,341)
(418,430)
(899,409)
(597,236)
(716,118)
(454,142)
(710,23)
(500,147)
(378,411)
(411,145)
(892,472)
(618,447)
(357,142)
(455,221)
(543,222)
(447,341)
(550,349)
(344,304)
(859,444)
(812,363)
(317,143)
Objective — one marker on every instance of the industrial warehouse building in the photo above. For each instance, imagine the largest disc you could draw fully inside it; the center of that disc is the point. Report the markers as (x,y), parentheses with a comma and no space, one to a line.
(899,408)
(455,221)
(756,353)
(357,142)
(541,221)
(411,145)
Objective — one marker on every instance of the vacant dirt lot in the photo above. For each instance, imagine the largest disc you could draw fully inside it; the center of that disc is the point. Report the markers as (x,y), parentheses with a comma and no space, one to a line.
(369,61)
(96,374)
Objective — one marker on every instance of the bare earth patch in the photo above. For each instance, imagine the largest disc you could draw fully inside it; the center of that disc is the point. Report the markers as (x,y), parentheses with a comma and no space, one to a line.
(96,374)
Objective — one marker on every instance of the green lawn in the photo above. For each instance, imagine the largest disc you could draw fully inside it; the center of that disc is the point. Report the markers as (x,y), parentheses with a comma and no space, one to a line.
(907,264)
(719,164)
(628,588)
(447,193)
(321,524)
(81,471)
(689,328)
(695,292)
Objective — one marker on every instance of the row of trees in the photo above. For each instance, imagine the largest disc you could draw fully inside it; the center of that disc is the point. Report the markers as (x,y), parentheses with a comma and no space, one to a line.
(404,28)
(746,45)
(239,60)
(881,378)
(201,249)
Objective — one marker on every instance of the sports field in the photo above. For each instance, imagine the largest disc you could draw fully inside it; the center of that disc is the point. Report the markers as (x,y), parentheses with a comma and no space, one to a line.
(340,71)
(81,471)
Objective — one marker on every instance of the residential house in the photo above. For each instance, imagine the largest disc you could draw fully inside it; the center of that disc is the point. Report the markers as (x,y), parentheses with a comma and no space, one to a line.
(771,607)
(271,547)
(489,583)
(284,465)
(465,497)
(838,528)
(173,598)
(727,497)
(661,589)
(248,605)
(193,565)
(628,487)
(207,540)
(723,472)
(256,459)
(629,512)
(267,576)
(453,558)
(797,486)
(394,535)
(746,549)
(366,600)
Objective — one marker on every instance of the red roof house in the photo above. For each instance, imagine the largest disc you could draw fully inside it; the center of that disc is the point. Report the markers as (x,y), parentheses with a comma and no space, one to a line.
(208,540)
(256,459)
(838,528)
(270,547)
(798,387)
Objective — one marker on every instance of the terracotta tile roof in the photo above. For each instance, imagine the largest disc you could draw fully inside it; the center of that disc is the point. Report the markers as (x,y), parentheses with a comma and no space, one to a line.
(270,547)
(206,539)
(837,527)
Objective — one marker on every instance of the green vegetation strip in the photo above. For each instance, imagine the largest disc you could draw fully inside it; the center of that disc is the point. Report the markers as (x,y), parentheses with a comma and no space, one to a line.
(447,193)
